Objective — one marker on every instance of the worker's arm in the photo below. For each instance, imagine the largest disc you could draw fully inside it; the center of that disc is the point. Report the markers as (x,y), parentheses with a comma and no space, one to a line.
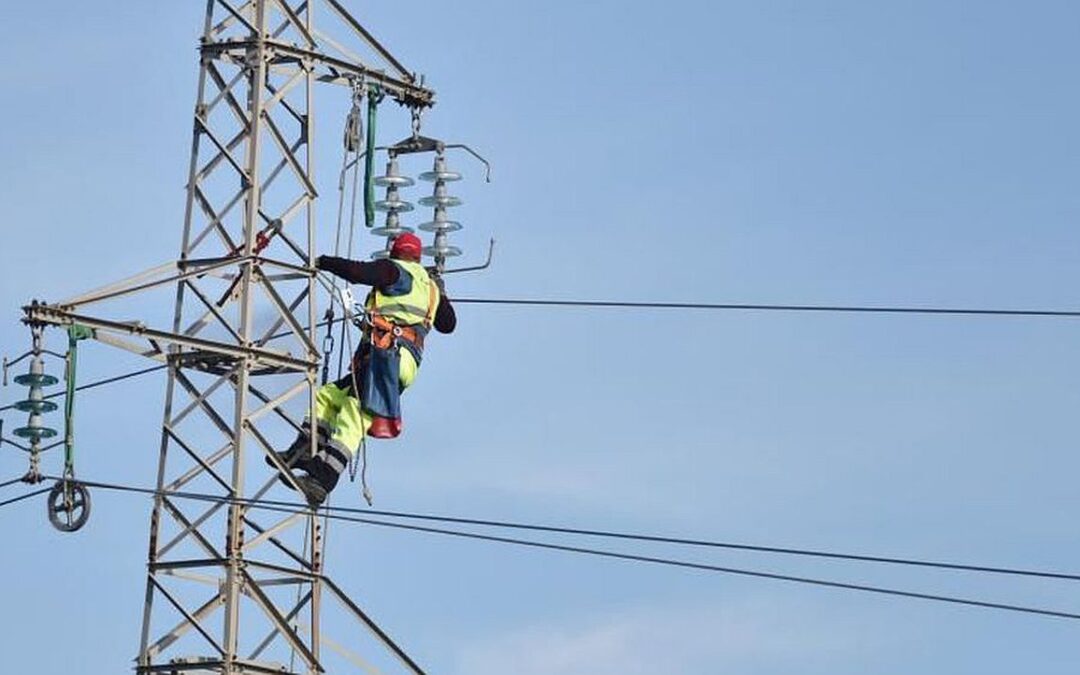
(380,273)
(446,320)
(445,317)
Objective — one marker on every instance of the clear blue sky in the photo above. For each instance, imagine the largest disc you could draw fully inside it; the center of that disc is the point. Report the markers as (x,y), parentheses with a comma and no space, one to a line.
(836,151)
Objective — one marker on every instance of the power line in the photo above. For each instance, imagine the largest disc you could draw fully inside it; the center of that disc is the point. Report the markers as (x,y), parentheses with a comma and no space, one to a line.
(11,482)
(293,509)
(101,383)
(722,570)
(28,495)
(530,302)
(609,534)
(856,309)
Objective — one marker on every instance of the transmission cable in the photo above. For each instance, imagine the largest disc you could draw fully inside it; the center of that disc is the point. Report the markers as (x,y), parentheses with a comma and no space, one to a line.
(528,302)
(851,309)
(295,509)
(757,548)
(710,568)
(338,511)
(99,383)
(11,482)
(28,495)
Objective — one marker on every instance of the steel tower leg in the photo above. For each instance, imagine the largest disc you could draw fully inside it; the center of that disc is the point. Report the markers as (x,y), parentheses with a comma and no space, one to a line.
(251,145)
(226,582)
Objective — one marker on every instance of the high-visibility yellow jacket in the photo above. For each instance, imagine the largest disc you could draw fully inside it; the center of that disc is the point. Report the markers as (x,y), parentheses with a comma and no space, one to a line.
(411,301)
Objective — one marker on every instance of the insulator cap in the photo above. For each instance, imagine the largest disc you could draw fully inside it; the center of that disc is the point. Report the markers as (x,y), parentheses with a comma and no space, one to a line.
(437,176)
(34,433)
(393,181)
(440,174)
(444,251)
(441,226)
(35,380)
(390,231)
(394,205)
(393,178)
(441,201)
(35,406)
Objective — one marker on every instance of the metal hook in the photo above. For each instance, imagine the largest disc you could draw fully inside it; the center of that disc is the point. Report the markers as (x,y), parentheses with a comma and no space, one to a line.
(487,164)
(476,268)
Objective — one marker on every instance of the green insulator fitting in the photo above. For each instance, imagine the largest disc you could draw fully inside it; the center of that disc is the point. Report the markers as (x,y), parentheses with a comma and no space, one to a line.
(78,332)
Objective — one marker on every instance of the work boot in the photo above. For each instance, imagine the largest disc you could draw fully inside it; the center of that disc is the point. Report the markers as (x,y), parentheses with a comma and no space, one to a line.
(312,489)
(293,458)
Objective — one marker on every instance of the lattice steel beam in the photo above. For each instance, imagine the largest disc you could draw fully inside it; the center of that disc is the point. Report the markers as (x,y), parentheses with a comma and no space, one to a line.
(245,271)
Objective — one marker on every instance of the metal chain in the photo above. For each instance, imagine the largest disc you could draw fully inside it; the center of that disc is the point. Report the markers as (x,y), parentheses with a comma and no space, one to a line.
(416,113)
(328,343)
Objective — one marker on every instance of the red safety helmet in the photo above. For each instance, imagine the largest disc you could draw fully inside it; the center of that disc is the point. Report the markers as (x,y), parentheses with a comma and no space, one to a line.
(406,246)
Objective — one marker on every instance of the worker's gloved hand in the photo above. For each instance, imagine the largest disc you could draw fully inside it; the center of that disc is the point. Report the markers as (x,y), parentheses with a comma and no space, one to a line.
(321,262)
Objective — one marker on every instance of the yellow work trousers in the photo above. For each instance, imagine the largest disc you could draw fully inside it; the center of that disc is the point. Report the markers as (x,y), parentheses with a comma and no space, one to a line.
(339,412)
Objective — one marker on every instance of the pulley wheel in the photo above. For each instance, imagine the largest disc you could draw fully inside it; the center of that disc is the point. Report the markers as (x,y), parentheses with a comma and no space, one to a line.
(65,516)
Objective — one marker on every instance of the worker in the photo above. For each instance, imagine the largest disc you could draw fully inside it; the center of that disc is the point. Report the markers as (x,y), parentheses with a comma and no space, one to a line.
(405,302)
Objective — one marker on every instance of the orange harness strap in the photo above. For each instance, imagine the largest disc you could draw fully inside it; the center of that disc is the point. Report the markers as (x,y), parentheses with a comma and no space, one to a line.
(383,332)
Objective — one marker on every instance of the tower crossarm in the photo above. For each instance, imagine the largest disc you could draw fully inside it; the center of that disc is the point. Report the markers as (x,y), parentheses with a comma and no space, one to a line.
(158,341)
(326,67)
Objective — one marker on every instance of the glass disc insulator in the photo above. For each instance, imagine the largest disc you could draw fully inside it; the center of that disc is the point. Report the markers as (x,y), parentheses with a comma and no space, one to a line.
(444,176)
(32,406)
(35,380)
(441,226)
(445,201)
(390,231)
(442,251)
(34,433)
(393,181)
(397,205)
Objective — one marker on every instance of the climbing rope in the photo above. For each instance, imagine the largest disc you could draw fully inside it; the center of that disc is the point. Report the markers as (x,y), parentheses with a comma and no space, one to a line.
(354,146)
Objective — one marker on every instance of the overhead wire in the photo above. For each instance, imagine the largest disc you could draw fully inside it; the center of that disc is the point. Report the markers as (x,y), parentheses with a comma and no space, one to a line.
(294,509)
(754,307)
(610,534)
(11,482)
(100,383)
(702,543)
(881,590)
(23,497)
(616,304)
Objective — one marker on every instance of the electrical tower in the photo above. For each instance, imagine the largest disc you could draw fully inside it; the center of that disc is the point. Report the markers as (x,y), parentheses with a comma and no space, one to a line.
(229,588)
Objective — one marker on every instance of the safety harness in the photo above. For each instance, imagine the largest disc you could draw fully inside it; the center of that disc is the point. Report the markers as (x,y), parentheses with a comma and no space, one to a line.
(384,333)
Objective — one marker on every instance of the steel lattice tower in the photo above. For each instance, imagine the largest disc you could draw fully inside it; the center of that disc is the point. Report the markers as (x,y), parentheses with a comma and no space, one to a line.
(242,350)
